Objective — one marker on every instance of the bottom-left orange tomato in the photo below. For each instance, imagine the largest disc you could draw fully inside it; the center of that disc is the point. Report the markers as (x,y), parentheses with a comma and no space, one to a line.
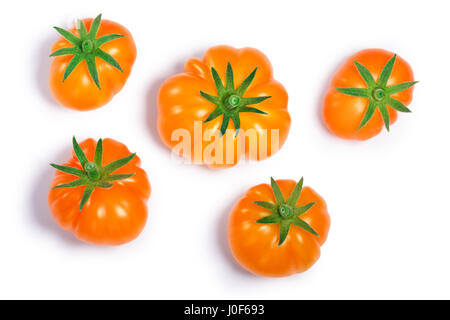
(101,193)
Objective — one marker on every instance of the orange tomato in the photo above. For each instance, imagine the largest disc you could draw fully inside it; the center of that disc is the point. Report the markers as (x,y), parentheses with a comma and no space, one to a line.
(366,93)
(106,59)
(278,230)
(224,106)
(107,204)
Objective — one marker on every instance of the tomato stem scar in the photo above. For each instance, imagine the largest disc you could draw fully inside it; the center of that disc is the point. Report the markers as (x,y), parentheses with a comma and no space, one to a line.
(379,94)
(87,46)
(92,171)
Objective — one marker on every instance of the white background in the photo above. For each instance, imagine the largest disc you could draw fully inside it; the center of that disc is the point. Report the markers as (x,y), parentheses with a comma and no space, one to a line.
(387,197)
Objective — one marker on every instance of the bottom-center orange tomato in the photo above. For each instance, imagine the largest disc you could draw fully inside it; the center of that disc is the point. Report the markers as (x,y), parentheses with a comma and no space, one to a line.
(278,230)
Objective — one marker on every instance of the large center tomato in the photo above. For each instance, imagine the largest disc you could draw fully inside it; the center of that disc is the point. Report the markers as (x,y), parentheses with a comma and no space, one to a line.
(223,107)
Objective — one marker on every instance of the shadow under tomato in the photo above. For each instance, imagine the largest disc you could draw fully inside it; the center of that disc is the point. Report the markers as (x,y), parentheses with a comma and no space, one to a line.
(43,70)
(39,206)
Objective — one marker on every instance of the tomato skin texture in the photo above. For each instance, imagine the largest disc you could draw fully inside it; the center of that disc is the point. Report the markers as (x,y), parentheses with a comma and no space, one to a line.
(79,91)
(111,216)
(255,245)
(342,114)
(180,103)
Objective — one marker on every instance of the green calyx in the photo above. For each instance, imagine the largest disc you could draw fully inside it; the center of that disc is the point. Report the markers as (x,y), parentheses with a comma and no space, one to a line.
(378,93)
(230,101)
(93,174)
(86,47)
(285,212)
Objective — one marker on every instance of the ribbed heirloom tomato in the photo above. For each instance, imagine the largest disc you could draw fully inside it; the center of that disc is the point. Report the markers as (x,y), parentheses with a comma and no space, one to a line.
(223,107)
(277,230)
(101,193)
(92,63)
(366,93)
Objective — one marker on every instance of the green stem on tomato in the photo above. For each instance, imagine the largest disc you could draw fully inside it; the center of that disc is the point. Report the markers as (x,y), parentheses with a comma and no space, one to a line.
(230,101)
(86,47)
(378,93)
(284,212)
(93,174)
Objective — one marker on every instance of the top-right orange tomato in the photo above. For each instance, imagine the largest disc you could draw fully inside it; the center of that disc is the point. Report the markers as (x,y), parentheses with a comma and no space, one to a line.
(366,93)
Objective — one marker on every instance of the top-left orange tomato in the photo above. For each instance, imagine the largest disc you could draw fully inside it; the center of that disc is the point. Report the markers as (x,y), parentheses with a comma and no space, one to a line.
(92,62)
